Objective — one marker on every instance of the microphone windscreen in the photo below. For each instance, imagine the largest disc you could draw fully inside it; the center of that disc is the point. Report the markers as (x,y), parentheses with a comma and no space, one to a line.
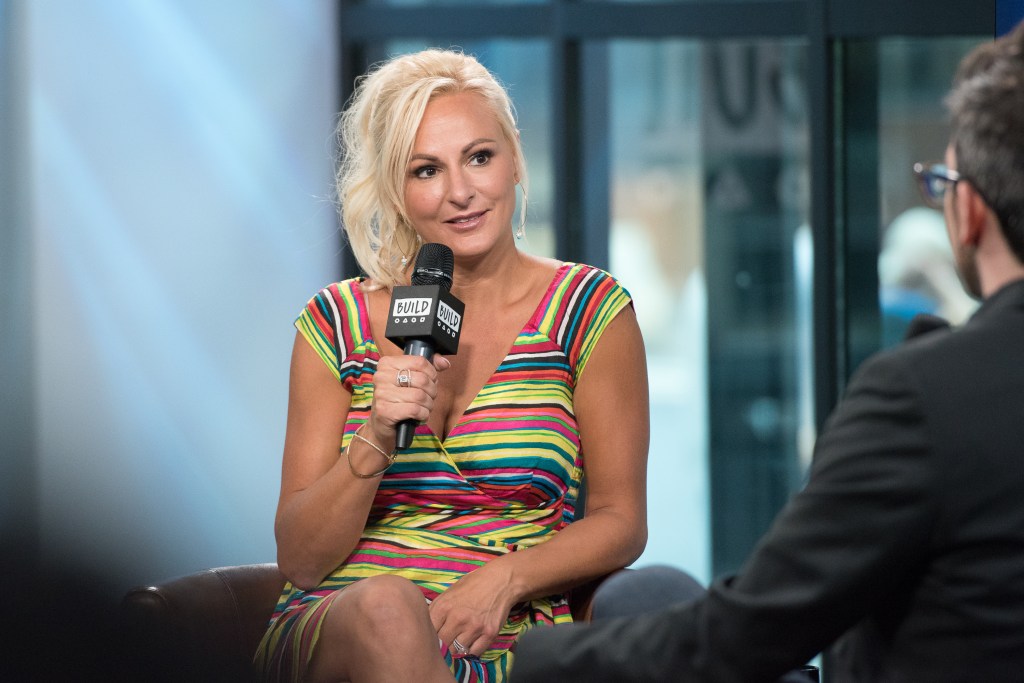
(922,323)
(434,266)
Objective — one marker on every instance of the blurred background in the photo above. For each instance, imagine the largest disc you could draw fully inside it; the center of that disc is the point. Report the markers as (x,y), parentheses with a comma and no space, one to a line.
(167,211)
(742,166)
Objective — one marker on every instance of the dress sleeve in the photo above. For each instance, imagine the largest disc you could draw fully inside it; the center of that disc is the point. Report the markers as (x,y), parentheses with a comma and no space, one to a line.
(594,299)
(322,324)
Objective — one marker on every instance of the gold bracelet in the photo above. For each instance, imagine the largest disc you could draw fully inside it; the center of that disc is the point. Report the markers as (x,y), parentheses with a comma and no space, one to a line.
(390,458)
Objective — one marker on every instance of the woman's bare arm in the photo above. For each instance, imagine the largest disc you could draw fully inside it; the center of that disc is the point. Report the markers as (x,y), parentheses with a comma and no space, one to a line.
(612,408)
(323,506)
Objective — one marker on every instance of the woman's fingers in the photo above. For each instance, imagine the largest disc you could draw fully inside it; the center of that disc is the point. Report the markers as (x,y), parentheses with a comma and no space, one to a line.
(408,372)
(404,388)
(465,644)
(465,631)
(480,645)
(469,641)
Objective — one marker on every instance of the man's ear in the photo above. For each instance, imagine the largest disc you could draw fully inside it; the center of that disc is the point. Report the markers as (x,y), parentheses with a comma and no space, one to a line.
(973,213)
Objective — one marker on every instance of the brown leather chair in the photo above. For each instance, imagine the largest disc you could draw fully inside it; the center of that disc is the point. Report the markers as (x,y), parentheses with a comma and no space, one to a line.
(206,626)
(200,627)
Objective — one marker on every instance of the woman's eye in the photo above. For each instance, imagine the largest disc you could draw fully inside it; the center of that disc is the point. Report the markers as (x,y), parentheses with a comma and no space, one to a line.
(425,172)
(480,158)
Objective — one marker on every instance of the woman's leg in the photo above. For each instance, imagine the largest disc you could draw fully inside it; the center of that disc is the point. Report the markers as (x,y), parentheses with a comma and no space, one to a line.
(378,629)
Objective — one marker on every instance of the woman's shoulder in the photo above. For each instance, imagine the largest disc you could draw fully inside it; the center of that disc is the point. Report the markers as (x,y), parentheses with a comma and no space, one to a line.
(347,287)
(347,294)
(579,291)
(554,270)
(339,304)
(338,315)
(571,275)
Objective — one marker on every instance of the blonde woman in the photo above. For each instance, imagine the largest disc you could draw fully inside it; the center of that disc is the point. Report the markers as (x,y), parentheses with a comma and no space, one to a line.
(428,563)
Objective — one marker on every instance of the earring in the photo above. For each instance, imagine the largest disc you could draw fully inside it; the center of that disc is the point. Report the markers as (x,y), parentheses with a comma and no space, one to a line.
(520,232)
(405,261)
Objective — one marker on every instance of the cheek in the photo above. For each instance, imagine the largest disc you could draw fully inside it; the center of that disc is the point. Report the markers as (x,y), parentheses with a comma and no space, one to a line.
(502,186)
(420,200)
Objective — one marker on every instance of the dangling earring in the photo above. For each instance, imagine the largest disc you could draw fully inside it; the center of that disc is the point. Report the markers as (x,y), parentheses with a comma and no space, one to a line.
(405,262)
(521,230)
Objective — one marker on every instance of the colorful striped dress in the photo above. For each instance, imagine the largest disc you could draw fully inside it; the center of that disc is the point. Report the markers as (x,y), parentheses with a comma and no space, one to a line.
(506,477)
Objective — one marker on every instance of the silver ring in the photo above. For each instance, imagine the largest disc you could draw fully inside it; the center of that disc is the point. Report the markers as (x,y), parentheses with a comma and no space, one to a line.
(459,647)
(404,378)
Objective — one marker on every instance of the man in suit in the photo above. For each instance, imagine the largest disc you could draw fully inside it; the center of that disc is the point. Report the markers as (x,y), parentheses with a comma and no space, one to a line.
(909,535)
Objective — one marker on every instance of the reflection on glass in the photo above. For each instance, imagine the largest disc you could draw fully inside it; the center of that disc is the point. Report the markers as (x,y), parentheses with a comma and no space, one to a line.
(915,267)
(709,204)
(523,67)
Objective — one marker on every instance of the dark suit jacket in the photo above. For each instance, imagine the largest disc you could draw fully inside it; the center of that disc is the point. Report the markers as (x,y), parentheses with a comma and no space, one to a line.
(908,537)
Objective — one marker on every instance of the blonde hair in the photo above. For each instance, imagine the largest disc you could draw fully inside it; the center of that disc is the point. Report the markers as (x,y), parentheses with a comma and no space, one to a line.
(376,134)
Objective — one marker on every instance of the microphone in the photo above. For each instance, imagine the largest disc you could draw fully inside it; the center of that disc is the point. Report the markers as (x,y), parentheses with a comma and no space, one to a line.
(923,323)
(424,317)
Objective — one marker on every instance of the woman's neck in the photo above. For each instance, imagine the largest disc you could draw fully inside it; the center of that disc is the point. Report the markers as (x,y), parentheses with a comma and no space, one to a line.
(490,279)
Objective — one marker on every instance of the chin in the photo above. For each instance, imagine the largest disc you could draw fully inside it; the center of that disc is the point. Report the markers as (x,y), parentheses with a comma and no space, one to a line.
(472,245)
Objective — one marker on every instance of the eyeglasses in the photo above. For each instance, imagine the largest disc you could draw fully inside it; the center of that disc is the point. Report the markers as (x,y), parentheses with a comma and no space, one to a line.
(933,180)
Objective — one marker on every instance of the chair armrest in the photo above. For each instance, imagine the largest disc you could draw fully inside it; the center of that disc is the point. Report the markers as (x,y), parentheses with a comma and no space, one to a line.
(203,626)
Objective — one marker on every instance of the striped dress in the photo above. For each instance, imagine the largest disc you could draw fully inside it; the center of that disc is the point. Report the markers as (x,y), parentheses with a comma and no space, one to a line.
(506,477)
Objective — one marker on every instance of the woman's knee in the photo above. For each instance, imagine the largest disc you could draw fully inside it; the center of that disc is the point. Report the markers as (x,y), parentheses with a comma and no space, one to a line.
(367,623)
(378,606)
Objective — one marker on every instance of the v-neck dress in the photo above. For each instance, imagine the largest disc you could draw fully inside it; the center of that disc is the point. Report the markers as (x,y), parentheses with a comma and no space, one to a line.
(506,477)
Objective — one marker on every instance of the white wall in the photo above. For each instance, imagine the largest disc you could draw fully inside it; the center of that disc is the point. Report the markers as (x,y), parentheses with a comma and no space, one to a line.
(180,178)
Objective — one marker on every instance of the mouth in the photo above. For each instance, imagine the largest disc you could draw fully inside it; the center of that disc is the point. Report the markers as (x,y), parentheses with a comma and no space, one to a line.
(466,220)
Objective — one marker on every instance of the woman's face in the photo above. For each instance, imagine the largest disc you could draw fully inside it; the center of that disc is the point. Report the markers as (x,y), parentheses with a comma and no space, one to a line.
(460,181)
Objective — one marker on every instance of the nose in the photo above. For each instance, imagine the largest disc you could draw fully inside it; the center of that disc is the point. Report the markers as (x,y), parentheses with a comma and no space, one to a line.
(460,187)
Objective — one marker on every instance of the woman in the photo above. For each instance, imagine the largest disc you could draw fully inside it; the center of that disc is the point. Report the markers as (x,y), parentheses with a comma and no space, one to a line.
(429,562)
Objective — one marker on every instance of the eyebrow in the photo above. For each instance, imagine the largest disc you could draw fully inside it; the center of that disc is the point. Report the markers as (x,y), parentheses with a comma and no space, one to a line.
(471,145)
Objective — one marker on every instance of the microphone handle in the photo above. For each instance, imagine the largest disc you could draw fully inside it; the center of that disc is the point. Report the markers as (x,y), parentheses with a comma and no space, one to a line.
(403,435)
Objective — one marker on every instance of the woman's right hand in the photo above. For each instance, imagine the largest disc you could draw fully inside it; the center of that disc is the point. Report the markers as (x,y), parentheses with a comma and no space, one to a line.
(404,388)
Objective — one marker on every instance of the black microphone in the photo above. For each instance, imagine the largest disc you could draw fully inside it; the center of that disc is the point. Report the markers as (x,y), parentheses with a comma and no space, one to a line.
(424,317)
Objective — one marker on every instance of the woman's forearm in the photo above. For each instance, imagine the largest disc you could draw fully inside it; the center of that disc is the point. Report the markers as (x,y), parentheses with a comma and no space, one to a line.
(317,528)
(603,541)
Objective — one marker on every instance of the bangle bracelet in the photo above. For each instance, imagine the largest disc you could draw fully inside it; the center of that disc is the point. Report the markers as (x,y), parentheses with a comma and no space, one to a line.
(390,458)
